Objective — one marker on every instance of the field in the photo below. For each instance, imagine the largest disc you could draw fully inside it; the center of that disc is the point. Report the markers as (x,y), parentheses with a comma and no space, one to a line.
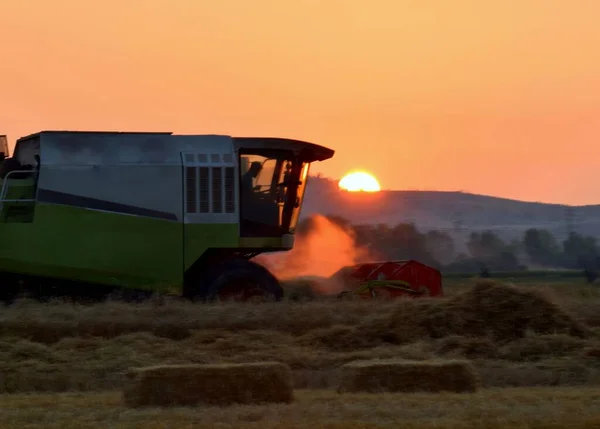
(536,347)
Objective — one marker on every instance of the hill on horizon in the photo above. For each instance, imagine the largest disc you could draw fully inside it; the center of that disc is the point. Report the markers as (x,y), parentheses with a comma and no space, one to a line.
(459,213)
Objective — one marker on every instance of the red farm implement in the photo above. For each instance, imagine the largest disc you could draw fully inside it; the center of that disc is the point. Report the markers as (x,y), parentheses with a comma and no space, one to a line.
(392,279)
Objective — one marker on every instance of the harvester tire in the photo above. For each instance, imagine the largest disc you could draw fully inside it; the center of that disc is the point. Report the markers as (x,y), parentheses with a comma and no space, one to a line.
(246,278)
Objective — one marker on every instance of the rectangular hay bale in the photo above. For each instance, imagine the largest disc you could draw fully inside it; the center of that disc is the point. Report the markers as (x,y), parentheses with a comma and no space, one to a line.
(379,376)
(212,384)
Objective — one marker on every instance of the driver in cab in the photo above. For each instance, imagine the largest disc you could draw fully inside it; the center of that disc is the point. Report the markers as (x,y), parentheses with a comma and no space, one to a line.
(248,178)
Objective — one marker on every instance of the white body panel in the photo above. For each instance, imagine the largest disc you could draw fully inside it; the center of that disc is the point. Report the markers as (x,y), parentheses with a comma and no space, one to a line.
(142,171)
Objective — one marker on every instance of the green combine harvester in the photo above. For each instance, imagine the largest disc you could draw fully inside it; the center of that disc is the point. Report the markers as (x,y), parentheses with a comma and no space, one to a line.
(96,214)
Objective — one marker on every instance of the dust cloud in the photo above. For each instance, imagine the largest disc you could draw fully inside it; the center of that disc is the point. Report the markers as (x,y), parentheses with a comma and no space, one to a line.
(322,247)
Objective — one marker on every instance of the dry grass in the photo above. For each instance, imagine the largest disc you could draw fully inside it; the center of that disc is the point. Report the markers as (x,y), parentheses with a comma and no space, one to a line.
(409,376)
(225,384)
(513,336)
(531,336)
(499,312)
(496,409)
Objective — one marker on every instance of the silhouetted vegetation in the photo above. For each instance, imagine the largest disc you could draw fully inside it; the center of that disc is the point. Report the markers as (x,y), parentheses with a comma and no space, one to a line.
(486,252)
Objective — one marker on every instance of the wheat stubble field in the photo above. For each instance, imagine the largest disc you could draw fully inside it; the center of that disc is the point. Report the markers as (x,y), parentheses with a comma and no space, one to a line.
(536,348)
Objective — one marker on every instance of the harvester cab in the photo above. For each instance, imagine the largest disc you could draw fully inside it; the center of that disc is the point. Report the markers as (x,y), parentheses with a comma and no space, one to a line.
(274,173)
(150,212)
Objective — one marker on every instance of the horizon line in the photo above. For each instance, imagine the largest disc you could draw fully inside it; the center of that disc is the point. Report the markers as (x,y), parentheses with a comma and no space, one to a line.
(461,191)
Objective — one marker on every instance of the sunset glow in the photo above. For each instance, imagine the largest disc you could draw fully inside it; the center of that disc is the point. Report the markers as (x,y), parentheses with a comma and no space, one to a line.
(433,95)
(359,181)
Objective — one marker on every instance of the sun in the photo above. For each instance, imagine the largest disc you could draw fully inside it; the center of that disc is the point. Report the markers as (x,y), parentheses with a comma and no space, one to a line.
(359,181)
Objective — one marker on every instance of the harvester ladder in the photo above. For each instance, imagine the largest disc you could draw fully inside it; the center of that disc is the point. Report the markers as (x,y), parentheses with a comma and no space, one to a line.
(6,185)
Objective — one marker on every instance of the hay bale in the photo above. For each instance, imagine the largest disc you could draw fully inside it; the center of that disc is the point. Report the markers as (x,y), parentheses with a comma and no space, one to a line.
(214,384)
(409,376)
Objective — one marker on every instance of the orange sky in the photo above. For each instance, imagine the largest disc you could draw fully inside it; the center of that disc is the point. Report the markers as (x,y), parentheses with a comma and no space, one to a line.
(494,97)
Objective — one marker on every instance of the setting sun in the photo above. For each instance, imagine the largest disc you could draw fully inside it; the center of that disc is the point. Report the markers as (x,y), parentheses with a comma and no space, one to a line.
(359,181)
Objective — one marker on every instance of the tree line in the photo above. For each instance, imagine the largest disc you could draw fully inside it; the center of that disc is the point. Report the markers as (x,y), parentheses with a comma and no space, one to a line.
(483,252)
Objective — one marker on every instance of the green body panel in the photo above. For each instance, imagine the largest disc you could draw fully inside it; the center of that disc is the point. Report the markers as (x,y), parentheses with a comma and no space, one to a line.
(202,236)
(112,248)
(95,246)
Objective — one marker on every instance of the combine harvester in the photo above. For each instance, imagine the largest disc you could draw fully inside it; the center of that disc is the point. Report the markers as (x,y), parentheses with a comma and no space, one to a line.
(390,280)
(92,214)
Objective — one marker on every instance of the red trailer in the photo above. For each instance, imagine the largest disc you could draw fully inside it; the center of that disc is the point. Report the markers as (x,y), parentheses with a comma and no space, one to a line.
(391,279)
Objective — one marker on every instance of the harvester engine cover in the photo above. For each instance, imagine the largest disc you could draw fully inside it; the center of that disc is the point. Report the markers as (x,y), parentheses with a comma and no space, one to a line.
(391,279)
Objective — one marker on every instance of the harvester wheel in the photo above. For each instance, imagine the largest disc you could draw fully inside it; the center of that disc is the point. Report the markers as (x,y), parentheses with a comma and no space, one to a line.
(243,280)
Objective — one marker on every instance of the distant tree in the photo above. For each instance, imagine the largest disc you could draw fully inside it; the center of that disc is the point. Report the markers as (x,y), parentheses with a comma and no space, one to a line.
(590,275)
(507,260)
(541,247)
(403,241)
(465,264)
(375,237)
(515,246)
(490,250)
(412,244)
(581,252)
(441,246)
(485,245)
